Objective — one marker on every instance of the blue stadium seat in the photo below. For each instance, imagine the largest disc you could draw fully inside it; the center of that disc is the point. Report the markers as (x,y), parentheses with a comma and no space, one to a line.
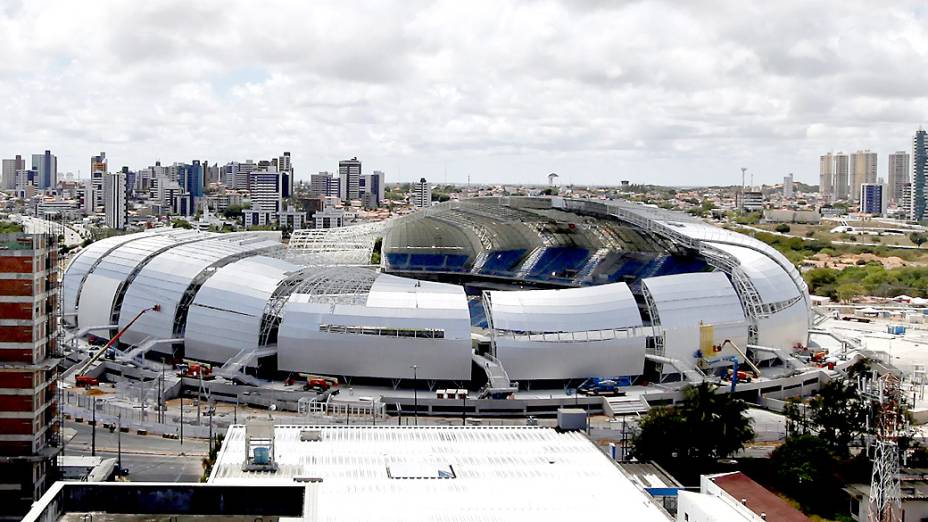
(559,264)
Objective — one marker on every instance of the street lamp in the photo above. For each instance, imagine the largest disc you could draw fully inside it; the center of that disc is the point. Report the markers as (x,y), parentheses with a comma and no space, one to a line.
(415,392)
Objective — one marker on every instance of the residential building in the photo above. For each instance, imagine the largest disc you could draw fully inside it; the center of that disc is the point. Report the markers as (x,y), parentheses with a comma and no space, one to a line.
(291,218)
(329,216)
(349,174)
(841,176)
(114,200)
(28,369)
(98,169)
(905,202)
(919,173)
(873,199)
(826,178)
(751,200)
(266,188)
(863,170)
(421,194)
(733,497)
(913,492)
(324,184)
(10,167)
(898,174)
(788,186)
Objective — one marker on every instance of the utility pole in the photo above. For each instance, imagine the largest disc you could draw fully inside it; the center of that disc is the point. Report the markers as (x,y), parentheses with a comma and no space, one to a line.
(182,418)
(741,203)
(415,392)
(119,442)
(464,409)
(93,431)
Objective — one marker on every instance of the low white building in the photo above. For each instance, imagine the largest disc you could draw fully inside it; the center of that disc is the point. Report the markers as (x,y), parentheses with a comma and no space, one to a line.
(388,473)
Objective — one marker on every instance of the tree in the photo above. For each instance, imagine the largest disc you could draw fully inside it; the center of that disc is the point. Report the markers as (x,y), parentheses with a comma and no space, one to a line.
(782,228)
(918,238)
(803,466)
(838,414)
(704,427)
(848,291)
(181,223)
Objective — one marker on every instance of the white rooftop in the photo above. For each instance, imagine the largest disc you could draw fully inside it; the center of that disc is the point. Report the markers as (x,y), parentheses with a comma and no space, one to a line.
(445,473)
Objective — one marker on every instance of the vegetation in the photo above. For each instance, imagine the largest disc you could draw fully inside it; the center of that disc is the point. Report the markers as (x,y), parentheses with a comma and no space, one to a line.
(782,228)
(814,462)
(869,279)
(918,238)
(235,211)
(716,426)
(8,227)
(375,255)
(181,223)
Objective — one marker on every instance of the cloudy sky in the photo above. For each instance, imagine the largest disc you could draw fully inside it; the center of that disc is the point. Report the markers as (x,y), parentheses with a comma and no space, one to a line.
(597,91)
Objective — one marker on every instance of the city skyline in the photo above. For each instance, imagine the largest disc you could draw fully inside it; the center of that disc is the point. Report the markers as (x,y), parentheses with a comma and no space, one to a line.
(494,92)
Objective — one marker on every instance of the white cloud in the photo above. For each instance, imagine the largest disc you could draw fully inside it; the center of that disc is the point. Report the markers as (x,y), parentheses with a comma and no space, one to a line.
(508,91)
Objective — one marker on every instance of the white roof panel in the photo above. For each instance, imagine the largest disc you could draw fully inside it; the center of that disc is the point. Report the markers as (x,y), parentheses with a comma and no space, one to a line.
(488,473)
(568,310)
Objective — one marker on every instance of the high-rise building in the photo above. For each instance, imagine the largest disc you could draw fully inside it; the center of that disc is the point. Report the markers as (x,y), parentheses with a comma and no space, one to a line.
(788,186)
(919,172)
(266,187)
(371,189)
(421,194)
(29,429)
(349,174)
(324,184)
(841,176)
(10,166)
(98,169)
(114,200)
(905,202)
(898,174)
(46,166)
(863,170)
(826,178)
(190,178)
(872,199)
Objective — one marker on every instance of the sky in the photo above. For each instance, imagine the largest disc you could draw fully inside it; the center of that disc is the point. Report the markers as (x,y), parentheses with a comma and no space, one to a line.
(671,93)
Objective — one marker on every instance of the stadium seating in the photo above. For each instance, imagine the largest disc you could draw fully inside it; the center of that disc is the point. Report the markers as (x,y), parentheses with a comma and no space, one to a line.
(502,262)
(428,262)
(558,264)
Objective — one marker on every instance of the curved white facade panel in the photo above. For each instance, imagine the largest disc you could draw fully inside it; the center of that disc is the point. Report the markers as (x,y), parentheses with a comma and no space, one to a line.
(786,328)
(226,313)
(683,302)
(771,281)
(81,265)
(118,266)
(557,356)
(166,278)
(568,310)
(378,341)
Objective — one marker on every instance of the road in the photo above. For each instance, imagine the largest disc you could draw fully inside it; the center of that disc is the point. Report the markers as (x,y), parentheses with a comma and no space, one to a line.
(40,226)
(148,458)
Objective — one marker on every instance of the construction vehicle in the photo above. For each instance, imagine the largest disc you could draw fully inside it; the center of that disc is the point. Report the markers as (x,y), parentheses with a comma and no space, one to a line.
(87,381)
(320,383)
(195,371)
(734,373)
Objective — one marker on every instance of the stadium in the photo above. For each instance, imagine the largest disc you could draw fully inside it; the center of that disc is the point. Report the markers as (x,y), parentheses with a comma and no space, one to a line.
(493,292)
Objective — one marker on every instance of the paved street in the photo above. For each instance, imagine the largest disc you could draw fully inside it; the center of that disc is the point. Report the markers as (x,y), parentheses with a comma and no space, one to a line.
(148,458)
